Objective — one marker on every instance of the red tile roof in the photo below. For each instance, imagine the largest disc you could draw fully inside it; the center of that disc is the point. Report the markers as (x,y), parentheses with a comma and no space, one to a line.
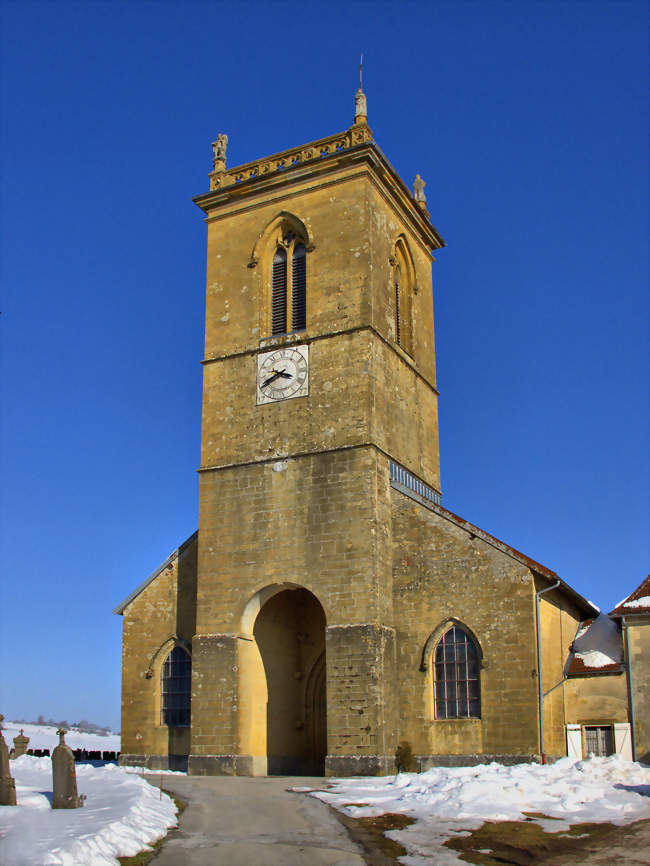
(625,608)
(577,668)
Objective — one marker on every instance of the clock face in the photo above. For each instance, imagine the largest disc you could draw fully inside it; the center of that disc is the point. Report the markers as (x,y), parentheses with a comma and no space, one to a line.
(282,374)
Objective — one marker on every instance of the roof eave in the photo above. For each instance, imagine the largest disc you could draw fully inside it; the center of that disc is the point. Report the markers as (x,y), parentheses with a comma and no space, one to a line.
(136,592)
(536,568)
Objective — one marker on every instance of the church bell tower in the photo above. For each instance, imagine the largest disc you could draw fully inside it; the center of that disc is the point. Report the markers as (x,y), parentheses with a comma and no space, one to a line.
(319,388)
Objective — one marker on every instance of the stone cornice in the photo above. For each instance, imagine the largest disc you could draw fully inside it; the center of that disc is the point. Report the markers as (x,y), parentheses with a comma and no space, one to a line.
(303,337)
(299,455)
(317,159)
(221,178)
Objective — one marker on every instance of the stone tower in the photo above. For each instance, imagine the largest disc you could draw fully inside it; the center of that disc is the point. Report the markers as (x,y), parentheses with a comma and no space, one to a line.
(329,607)
(319,388)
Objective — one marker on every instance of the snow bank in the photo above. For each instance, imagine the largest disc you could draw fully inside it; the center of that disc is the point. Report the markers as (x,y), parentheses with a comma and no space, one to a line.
(45,737)
(123,814)
(599,644)
(447,801)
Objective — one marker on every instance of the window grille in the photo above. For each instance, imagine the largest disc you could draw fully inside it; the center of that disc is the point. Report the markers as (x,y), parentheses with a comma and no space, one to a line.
(298,289)
(599,740)
(279,292)
(176,688)
(457,691)
(400,477)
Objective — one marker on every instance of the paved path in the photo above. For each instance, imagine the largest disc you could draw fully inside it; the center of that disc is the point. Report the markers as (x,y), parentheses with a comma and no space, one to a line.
(243,821)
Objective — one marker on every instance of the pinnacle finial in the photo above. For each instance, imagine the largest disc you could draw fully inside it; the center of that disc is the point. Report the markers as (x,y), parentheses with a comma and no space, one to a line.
(360,105)
(219,151)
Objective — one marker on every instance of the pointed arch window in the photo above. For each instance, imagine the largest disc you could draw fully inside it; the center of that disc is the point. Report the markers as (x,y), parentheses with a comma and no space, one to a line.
(289,286)
(404,287)
(176,689)
(457,688)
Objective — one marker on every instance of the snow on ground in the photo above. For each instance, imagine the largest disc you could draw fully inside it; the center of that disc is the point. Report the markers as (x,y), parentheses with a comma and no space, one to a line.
(45,737)
(446,801)
(123,814)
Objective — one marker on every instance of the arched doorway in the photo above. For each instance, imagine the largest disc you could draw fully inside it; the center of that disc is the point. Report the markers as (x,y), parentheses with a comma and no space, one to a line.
(290,635)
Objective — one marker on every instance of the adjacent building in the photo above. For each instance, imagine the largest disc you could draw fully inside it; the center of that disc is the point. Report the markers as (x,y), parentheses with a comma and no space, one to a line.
(634,616)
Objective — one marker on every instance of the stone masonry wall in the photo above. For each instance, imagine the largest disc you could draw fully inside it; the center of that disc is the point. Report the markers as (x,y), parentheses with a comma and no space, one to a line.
(165,609)
(317,522)
(442,574)
(639,643)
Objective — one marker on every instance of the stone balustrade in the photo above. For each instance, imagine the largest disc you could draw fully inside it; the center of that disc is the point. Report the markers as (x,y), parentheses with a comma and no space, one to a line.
(222,177)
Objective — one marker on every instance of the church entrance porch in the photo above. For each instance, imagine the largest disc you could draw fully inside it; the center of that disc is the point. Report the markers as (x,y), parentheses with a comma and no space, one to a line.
(282,685)
(289,632)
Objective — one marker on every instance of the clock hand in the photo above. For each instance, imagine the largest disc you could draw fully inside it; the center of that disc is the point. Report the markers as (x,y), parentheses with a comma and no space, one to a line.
(276,375)
(272,378)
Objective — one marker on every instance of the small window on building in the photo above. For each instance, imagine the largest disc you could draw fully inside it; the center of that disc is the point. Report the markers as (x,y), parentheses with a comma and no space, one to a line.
(176,688)
(599,740)
(457,693)
(289,286)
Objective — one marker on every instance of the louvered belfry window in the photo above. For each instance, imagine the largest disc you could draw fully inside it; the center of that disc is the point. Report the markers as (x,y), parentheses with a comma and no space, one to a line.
(298,289)
(404,285)
(289,287)
(279,292)
(398,322)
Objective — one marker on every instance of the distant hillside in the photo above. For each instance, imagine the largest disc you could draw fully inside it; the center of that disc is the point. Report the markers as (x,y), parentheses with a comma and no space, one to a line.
(84,726)
(45,737)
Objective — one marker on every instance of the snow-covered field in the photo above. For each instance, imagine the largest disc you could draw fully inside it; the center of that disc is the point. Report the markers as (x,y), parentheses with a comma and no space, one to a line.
(447,801)
(122,815)
(45,737)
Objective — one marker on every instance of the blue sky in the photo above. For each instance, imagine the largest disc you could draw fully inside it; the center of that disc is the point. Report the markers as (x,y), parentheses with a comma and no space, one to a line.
(528,120)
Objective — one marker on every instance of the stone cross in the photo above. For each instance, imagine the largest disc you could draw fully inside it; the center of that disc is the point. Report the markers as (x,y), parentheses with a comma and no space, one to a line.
(20,745)
(7,784)
(64,776)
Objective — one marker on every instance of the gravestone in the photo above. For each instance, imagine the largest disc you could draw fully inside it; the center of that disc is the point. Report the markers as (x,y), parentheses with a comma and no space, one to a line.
(7,784)
(20,745)
(64,777)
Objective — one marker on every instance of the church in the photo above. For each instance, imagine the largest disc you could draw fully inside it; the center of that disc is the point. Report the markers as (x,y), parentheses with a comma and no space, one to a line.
(329,610)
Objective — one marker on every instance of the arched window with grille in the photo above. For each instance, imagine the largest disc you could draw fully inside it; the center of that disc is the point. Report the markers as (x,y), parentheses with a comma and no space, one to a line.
(176,689)
(457,687)
(289,286)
